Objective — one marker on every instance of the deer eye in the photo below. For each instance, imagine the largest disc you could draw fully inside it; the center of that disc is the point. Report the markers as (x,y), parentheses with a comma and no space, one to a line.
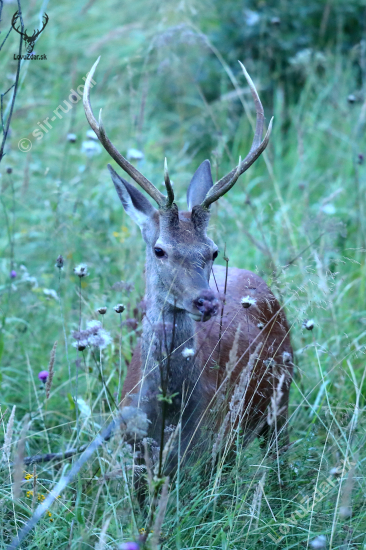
(159,252)
(215,254)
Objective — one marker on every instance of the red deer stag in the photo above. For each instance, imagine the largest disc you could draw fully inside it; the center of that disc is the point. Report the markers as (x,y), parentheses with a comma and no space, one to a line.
(197,352)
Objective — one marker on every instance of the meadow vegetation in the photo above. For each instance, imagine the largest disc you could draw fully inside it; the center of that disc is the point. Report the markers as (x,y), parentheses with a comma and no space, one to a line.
(170,86)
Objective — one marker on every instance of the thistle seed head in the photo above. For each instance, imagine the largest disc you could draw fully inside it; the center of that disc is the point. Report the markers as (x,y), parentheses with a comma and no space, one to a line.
(81,270)
(187,353)
(308,324)
(247,301)
(60,262)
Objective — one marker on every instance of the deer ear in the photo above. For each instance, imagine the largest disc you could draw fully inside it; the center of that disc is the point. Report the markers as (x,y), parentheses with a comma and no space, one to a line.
(135,204)
(200,184)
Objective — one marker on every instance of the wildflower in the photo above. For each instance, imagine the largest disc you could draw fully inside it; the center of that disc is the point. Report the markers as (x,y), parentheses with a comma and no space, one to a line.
(90,134)
(351,98)
(187,353)
(275,21)
(135,420)
(81,270)
(286,357)
(28,476)
(142,531)
(102,310)
(71,138)
(94,335)
(247,301)
(50,292)
(336,471)
(269,363)
(13,274)
(319,542)
(29,494)
(90,148)
(119,308)
(60,262)
(43,375)
(129,546)
(308,324)
(9,170)
(345,512)
(260,325)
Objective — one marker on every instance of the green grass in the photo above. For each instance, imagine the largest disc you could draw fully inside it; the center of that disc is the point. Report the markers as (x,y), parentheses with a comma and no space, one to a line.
(305,201)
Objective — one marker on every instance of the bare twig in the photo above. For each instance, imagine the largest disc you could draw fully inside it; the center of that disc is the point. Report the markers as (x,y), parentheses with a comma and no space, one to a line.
(61,485)
(7,126)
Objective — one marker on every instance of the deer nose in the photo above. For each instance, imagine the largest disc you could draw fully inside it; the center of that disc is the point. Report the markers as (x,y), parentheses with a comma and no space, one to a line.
(207,303)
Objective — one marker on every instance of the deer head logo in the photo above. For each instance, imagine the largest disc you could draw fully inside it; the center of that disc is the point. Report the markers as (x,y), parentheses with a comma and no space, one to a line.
(30,40)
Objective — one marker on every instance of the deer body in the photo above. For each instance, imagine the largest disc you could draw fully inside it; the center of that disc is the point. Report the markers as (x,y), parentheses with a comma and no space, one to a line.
(197,377)
(200,346)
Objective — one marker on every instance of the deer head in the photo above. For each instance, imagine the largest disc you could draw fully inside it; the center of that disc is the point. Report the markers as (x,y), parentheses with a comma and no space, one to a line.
(179,252)
(30,40)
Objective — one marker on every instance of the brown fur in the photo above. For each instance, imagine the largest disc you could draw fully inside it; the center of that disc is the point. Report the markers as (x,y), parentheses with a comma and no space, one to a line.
(274,335)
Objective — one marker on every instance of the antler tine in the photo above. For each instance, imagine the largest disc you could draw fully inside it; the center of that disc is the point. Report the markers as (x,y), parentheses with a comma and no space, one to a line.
(257,148)
(110,148)
(168,185)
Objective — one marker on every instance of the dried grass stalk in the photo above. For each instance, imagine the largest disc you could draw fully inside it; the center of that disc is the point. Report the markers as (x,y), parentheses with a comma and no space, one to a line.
(238,397)
(8,437)
(19,459)
(164,497)
(220,437)
(274,409)
(50,370)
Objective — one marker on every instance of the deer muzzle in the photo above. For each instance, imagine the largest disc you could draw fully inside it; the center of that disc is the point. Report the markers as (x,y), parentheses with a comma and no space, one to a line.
(206,304)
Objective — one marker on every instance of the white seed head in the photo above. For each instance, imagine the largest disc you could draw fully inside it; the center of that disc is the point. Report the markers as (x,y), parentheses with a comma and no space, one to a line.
(319,542)
(260,325)
(119,308)
(81,270)
(102,310)
(269,363)
(135,420)
(188,352)
(286,357)
(308,324)
(247,301)
(345,512)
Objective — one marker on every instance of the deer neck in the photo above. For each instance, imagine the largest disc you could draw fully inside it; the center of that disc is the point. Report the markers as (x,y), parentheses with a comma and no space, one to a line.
(168,332)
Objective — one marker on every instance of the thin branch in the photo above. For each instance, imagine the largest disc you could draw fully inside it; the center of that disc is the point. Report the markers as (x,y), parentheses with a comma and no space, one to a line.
(2,106)
(6,131)
(61,485)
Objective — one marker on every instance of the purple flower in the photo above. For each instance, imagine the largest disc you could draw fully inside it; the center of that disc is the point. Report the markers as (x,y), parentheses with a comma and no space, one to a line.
(129,546)
(43,375)
(13,274)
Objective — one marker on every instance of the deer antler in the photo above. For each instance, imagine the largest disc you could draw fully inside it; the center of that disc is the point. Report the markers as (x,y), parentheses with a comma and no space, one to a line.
(257,148)
(113,152)
(38,32)
(14,20)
